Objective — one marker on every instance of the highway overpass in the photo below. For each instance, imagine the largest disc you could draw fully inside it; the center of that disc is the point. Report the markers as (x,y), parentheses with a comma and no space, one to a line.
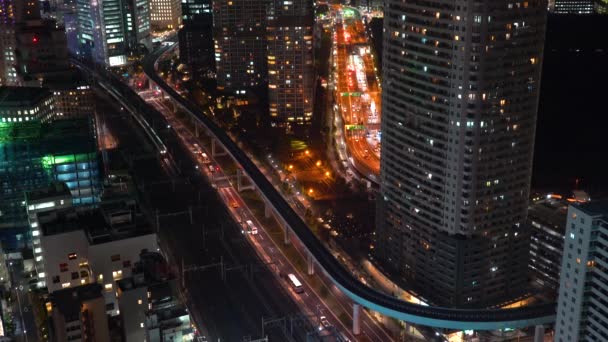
(295,227)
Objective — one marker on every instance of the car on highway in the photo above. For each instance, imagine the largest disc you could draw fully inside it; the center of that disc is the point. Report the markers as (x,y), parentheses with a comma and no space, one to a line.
(206,159)
(324,323)
(234,204)
(251,228)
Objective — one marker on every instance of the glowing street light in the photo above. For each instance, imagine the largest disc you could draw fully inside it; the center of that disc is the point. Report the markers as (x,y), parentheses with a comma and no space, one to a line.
(318,163)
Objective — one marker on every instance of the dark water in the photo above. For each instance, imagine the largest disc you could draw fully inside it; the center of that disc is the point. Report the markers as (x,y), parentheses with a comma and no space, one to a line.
(572,129)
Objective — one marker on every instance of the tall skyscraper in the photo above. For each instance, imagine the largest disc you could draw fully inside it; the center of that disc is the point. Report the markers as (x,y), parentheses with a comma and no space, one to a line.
(290,56)
(460,97)
(581,306)
(240,43)
(108,31)
(102,31)
(196,36)
(165,14)
(138,24)
(41,51)
(8,74)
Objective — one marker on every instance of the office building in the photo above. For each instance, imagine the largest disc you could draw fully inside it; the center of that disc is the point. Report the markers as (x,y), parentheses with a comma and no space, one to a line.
(196,35)
(240,43)
(102,31)
(8,73)
(149,303)
(547,222)
(138,24)
(581,306)
(573,6)
(56,196)
(73,97)
(110,33)
(460,94)
(34,154)
(165,14)
(22,104)
(290,62)
(41,51)
(196,10)
(101,245)
(13,13)
(78,314)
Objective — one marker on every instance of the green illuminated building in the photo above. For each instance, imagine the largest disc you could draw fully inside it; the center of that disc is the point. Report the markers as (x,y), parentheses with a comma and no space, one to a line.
(33,154)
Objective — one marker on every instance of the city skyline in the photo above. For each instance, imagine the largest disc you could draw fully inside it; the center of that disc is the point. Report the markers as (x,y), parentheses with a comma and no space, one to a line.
(335,171)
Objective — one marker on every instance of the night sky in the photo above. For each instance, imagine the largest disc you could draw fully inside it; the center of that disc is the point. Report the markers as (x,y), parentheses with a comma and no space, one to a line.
(572,130)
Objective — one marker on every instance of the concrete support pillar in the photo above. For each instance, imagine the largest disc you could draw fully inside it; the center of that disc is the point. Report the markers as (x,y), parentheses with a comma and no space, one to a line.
(356,319)
(311,264)
(287,233)
(240,186)
(196,130)
(539,333)
(216,150)
(267,210)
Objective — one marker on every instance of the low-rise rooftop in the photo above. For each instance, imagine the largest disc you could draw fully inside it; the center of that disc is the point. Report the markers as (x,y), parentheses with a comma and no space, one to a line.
(55,189)
(98,225)
(20,96)
(69,301)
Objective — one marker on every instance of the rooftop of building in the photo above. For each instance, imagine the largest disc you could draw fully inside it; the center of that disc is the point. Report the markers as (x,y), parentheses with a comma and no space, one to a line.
(69,79)
(61,136)
(552,212)
(150,270)
(12,97)
(595,208)
(55,189)
(69,301)
(100,225)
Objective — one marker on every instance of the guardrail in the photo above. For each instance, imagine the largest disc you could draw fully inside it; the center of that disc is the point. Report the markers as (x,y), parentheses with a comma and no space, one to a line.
(440,317)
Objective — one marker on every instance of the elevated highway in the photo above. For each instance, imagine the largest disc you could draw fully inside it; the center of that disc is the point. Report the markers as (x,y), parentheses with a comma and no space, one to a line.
(362,295)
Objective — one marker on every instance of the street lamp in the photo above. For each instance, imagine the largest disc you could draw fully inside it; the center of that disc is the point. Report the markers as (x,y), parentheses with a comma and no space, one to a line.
(318,163)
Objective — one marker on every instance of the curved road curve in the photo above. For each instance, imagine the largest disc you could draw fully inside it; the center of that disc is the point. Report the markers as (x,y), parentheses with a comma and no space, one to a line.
(439,317)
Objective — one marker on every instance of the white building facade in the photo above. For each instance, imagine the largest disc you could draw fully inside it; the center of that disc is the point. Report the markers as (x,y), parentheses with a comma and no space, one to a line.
(582,310)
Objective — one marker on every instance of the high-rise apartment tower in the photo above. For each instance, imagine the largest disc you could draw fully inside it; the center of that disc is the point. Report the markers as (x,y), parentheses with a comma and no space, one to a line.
(240,43)
(290,57)
(460,96)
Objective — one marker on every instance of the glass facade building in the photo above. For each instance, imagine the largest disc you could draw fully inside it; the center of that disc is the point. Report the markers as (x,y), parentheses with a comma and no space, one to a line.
(34,154)
(102,31)
(460,97)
